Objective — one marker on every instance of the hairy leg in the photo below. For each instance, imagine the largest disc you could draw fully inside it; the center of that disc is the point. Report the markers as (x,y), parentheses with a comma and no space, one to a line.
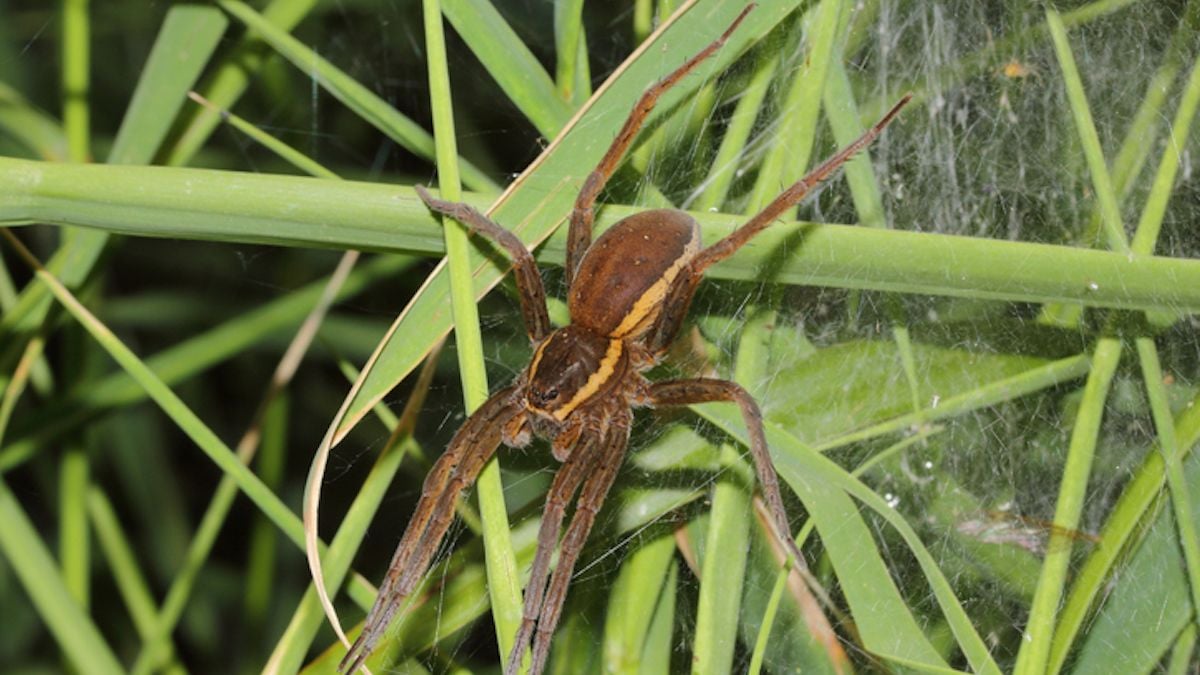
(566,482)
(703,390)
(579,237)
(529,282)
(591,497)
(454,471)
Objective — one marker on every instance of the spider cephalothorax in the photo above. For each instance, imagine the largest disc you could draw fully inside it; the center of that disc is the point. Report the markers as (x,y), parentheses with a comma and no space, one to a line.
(627,295)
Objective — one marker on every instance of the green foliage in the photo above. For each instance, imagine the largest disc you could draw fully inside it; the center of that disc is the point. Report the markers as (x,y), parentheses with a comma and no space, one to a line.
(979,370)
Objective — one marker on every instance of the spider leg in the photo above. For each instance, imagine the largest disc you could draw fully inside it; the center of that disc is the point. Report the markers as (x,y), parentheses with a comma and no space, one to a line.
(703,390)
(591,498)
(455,470)
(580,233)
(792,196)
(562,490)
(679,297)
(529,282)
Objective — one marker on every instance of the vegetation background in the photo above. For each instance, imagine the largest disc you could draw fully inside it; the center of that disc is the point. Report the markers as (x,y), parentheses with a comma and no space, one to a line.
(985,441)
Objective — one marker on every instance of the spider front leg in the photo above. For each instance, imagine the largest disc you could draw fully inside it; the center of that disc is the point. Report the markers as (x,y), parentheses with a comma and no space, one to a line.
(454,472)
(529,282)
(579,237)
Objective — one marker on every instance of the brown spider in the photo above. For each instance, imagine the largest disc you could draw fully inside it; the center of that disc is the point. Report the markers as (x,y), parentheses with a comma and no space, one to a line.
(628,294)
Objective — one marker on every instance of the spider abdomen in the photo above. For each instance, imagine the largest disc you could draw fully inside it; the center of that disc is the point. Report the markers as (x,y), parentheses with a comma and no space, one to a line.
(619,287)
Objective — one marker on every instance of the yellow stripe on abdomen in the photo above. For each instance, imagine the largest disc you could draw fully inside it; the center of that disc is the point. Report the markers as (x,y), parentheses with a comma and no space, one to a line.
(650,301)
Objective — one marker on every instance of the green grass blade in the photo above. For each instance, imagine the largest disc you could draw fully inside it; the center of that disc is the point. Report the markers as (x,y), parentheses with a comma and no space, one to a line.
(503,584)
(1106,195)
(1181,652)
(715,187)
(1164,425)
(1124,523)
(358,98)
(1139,140)
(121,559)
(984,395)
(282,150)
(170,73)
(230,79)
(1150,223)
(639,590)
(263,549)
(76,45)
(510,63)
(792,146)
(75,632)
(1120,639)
(232,206)
(74,540)
(1035,650)
(568,35)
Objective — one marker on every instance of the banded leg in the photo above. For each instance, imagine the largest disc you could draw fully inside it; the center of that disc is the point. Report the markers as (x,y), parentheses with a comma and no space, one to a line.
(529,281)
(566,482)
(703,390)
(579,236)
(608,461)
(455,470)
(680,295)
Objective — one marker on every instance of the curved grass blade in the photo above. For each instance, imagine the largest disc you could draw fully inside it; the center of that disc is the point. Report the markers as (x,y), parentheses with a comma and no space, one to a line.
(1124,524)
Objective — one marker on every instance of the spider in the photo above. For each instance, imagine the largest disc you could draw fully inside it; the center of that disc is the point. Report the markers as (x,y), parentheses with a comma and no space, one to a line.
(628,293)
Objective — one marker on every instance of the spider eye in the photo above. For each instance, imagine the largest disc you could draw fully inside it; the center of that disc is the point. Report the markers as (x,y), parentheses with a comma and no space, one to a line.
(544,396)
